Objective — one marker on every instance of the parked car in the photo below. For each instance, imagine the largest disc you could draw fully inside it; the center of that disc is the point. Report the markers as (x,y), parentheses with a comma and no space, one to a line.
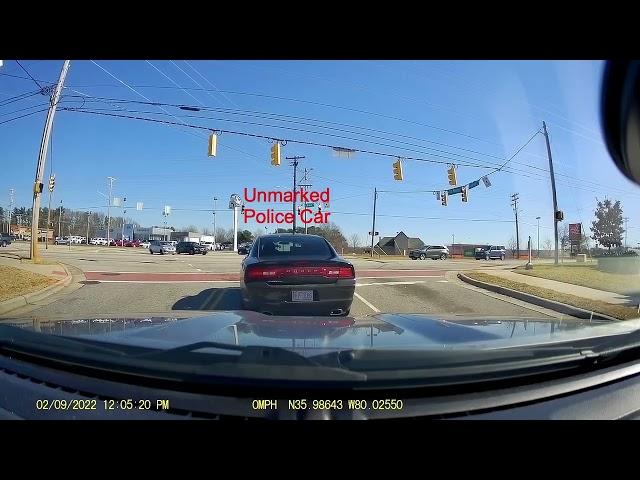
(298,275)
(131,243)
(495,252)
(481,252)
(62,241)
(434,252)
(5,240)
(244,248)
(145,244)
(161,247)
(191,248)
(226,245)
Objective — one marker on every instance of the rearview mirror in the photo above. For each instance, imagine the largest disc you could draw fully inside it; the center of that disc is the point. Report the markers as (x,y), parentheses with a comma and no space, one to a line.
(621,115)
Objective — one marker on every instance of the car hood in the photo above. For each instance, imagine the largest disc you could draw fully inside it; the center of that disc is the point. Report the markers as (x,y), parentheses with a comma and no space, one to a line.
(313,335)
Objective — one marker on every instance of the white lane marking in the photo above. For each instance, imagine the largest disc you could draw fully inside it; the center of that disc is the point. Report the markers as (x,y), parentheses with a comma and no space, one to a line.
(388,283)
(366,302)
(165,281)
(189,264)
(442,281)
(199,269)
(405,276)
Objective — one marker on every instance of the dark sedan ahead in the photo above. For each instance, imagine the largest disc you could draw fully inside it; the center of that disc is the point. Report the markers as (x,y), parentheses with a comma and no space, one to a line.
(297,275)
(191,248)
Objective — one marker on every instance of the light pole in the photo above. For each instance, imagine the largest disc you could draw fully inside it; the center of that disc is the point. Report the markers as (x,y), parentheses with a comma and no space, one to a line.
(538,219)
(215,199)
(59,220)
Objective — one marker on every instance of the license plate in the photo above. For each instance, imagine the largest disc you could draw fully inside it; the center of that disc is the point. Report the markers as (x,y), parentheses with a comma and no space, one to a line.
(302,295)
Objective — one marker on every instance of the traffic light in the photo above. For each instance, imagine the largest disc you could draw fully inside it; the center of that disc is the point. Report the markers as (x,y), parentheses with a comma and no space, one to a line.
(559,216)
(451,174)
(52,182)
(443,198)
(242,209)
(397,170)
(275,154)
(213,144)
(465,194)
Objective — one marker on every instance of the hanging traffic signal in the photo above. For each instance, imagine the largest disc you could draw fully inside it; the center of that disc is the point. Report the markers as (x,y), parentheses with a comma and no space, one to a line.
(397,170)
(465,194)
(52,183)
(443,198)
(242,209)
(213,144)
(451,174)
(275,154)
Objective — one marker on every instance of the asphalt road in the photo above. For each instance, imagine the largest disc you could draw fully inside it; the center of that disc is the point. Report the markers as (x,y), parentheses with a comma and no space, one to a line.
(122,281)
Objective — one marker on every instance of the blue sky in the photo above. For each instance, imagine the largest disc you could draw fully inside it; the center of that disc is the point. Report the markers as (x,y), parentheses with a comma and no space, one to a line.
(461,112)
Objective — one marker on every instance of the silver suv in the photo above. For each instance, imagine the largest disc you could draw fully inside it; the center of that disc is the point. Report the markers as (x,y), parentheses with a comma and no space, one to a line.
(495,252)
(430,251)
(158,246)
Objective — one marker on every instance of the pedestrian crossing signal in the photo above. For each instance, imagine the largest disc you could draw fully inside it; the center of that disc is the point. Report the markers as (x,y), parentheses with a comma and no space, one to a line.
(465,194)
(275,154)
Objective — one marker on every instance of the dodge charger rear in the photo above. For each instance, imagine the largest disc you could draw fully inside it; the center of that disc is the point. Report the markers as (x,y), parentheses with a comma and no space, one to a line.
(297,275)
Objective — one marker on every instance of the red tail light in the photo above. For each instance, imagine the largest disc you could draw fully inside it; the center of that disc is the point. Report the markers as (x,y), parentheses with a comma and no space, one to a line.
(267,273)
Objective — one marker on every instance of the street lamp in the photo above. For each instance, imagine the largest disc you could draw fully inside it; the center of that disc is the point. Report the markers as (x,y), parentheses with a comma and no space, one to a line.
(538,219)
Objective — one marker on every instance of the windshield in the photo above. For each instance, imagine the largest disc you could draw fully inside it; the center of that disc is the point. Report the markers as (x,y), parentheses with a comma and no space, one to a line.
(419,204)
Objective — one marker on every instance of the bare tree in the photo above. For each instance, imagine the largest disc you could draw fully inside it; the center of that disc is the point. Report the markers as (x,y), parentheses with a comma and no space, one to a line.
(548,245)
(355,240)
(513,246)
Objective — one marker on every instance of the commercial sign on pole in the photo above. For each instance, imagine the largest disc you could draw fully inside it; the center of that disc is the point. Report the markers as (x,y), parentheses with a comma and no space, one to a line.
(575,232)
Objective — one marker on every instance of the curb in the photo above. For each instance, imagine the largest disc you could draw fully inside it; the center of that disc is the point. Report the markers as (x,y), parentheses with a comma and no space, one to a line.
(541,302)
(23,300)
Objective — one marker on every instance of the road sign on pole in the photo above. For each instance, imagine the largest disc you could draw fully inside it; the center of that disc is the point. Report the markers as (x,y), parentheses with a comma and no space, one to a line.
(375,234)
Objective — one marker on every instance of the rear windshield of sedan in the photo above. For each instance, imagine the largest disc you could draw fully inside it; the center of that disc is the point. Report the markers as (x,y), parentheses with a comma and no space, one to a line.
(299,247)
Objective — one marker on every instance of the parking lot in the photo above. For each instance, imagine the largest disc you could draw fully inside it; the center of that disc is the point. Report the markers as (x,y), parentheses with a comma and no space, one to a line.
(112,280)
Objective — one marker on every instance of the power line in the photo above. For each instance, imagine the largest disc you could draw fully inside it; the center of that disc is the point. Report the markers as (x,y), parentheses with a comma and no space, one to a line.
(17,98)
(27,72)
(326,134)
(316,123)
(267,137)
(22,116)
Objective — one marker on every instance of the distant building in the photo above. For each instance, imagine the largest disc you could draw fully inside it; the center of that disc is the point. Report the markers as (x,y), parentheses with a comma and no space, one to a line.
(185,236)
(143,234)
(399,245)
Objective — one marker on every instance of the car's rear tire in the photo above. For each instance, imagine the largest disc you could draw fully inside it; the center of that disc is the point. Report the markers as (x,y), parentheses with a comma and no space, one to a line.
(502,257)
(161,252)
(443,256)
(422,256)
(192,252)
(151,251)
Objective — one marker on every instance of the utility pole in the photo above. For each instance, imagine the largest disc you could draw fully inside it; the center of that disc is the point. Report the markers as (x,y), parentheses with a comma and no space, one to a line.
(538,219)
(453,242)
(626,219)
(88,215)
(46,135)
(46,238)
(295,171)
(110,179)
(59,219)
(373,228)
(514,204)
(553,189)
(306,185)
(11,194)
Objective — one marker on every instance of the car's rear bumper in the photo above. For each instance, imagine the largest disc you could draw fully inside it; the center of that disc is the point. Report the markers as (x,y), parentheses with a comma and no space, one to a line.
(328,298)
